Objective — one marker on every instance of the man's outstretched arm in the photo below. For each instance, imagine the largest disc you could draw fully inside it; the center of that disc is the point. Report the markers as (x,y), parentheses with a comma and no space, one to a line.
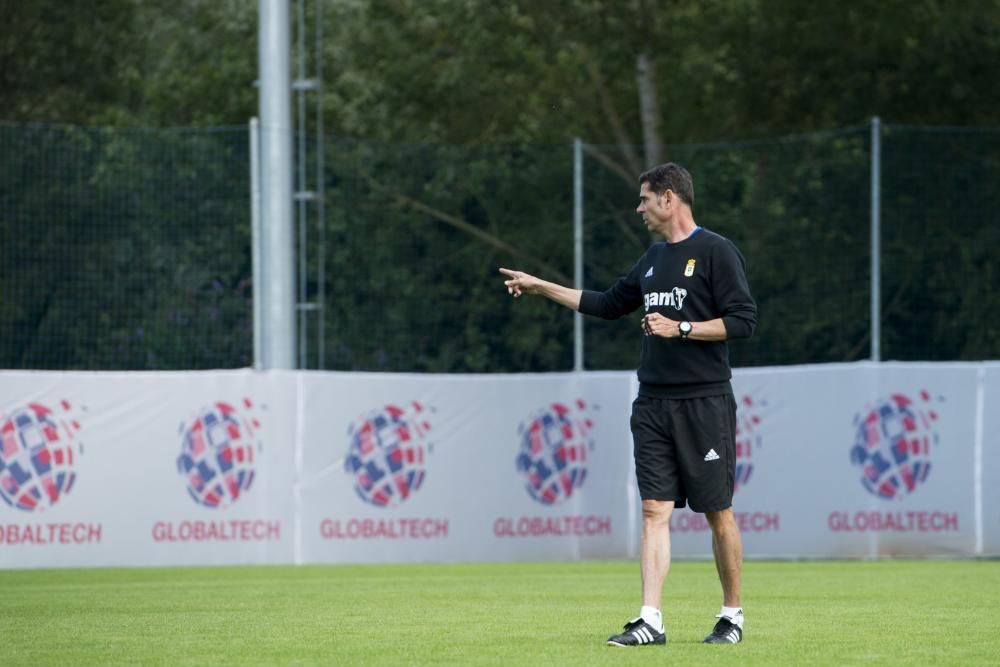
(524,283)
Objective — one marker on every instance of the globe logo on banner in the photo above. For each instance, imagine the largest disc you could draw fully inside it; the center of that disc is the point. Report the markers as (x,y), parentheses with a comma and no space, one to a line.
(748,437)
(386,454)
(892,444)
(39,450)
(218,447)
(553,450)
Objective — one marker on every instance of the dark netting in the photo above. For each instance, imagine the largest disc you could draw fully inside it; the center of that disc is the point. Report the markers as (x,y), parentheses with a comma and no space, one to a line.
(124,249)
(130,249)
(417,234)
(798,209)
(940,244)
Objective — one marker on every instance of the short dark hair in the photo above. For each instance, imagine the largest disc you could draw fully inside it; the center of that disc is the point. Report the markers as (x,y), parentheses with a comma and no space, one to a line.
(670,176)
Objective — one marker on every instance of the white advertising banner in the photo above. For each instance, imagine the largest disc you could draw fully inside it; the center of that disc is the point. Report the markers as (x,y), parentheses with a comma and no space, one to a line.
(857,460)
(145,468)
(988,460)
(459,468)
(226,467)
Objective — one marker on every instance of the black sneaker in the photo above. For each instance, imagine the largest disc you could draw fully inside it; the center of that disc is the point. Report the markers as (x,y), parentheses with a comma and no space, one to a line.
(725,632)
(637,632)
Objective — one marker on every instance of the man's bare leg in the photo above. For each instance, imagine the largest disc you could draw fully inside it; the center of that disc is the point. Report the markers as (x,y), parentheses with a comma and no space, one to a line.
(654,563)
(654,559)
(728,550)
(727,547)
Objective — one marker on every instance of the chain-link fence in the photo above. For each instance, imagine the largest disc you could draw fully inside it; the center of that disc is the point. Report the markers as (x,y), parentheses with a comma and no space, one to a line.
(799,211)
(941,244)
(123,249)
(126,249)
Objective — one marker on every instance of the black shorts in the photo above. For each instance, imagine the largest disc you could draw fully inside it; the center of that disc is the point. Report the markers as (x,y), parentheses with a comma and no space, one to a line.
(685,450)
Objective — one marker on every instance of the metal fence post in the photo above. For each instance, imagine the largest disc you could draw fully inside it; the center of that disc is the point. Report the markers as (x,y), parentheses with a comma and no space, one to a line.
(256,250)
(876,234)
(577,249)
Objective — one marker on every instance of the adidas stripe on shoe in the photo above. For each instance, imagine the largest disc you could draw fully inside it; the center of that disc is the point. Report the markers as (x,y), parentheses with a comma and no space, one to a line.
(637,633)
(725,632)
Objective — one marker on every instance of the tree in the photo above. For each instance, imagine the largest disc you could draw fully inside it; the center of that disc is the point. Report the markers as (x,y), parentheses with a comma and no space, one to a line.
(449,125)
(62,60)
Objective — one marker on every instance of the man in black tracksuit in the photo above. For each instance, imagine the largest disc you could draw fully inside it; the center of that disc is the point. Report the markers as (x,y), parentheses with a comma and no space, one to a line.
(694,293)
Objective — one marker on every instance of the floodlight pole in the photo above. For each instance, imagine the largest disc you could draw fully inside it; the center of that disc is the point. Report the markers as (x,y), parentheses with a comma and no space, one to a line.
(278,258)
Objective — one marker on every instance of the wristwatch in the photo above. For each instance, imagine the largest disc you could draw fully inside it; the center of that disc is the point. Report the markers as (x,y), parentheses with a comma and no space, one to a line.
(684,328)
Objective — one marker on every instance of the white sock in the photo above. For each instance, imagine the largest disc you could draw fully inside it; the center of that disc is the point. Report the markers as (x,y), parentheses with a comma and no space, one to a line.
(734,614)
(652,616)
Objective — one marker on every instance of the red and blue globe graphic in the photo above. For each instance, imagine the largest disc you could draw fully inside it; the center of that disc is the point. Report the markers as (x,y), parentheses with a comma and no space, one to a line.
(386,454)
(552,456)
(892,444)
(748,437)
(39,450)
(218,447)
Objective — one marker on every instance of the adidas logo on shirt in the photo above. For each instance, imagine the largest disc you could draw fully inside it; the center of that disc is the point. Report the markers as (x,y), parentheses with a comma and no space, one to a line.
(711,456)
(649,273)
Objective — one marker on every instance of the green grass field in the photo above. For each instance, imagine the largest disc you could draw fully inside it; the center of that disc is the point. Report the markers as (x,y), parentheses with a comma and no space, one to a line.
(808,613)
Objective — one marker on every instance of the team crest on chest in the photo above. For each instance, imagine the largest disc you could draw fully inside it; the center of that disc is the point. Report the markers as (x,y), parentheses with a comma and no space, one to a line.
(689,269)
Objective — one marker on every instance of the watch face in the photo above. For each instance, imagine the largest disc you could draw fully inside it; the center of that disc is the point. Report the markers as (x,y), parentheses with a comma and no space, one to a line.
(685,327)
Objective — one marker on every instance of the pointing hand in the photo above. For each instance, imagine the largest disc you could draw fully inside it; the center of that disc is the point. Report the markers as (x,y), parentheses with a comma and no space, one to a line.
(520,282)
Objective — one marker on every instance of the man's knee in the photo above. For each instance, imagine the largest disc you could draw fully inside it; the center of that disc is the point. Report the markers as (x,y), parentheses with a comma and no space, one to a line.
(657,511)
(722,520)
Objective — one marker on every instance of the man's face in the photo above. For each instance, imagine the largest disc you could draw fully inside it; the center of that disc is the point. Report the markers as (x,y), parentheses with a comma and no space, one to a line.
(652,208)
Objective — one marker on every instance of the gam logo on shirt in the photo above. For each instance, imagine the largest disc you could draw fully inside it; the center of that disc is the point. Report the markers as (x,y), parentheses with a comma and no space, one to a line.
(674,297)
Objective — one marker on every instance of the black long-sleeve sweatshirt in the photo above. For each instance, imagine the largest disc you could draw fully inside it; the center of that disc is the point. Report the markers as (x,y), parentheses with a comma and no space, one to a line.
(700,278)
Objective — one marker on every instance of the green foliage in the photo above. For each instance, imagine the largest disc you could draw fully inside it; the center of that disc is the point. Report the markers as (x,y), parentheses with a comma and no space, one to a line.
(418,233)
(449,125)
(474,71)
(941,241)
(784,203)
(795,66)
(127,253)
(128,62)
(520,71)
(62,61)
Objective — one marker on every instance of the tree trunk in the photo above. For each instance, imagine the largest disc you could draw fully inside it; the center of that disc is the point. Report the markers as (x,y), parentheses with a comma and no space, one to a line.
(611,112)
(649,109)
